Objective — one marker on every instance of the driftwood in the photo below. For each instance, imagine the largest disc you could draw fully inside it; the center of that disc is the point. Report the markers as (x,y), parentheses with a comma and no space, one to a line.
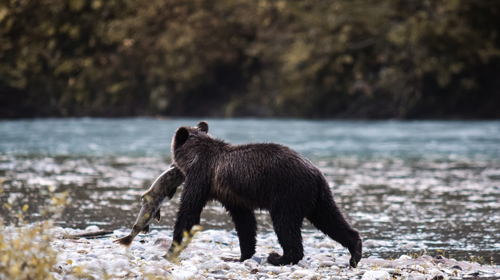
(90,234)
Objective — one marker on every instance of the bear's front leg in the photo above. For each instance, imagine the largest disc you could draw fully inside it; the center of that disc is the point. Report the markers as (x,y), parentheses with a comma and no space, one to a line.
(193,200)
(246,227)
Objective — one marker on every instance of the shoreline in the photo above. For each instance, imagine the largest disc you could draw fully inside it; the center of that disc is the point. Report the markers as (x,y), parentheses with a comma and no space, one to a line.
(213,254)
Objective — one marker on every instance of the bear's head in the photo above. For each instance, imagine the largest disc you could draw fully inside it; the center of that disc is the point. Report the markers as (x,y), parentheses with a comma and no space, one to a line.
(187,141)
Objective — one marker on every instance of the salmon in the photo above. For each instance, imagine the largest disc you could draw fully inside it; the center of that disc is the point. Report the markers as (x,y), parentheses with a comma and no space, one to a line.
(164,186)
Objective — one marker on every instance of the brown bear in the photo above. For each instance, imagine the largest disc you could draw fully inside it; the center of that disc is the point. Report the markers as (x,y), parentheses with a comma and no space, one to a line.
(257,176)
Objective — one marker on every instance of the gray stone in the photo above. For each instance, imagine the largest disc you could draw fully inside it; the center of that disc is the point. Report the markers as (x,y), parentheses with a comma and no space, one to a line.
(308,259)
(325,245)
(342,264)
(302,272)
(326,264)
(437,275)
(229,256)
(252,266)
(376,275)
(215,276)
(485,271)
(334,277)
(304,264)
(456,267)
(273,269)
(258,260)
(222,266)
(391,270)
(416,277)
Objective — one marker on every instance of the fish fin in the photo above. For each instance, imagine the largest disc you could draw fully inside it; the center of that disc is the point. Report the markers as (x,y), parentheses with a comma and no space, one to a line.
(146,193)
(145,229)
(171,194)
(158,216)
(126,241)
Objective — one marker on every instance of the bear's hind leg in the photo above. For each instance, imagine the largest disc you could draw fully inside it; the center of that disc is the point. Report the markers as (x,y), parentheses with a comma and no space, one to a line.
(328,218)
(246,227)
(287,224)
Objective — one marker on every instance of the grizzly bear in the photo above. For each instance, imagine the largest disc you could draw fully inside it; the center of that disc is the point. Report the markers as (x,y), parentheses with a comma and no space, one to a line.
(257,176)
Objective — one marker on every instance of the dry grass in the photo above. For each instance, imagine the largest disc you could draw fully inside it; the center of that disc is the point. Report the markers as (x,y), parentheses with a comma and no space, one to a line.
(26,252)
(25,249)
(178,248)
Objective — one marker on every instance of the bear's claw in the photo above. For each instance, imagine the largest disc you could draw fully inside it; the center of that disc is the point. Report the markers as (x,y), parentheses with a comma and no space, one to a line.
(275,259)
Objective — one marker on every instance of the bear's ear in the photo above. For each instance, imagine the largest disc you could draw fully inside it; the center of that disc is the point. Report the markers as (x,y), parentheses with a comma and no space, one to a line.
(181,136)
(203,126)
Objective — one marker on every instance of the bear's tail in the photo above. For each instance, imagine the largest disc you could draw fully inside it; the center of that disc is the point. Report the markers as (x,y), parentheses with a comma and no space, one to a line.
(126,241)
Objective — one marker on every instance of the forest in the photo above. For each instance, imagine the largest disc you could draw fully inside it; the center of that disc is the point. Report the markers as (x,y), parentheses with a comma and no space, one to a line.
(348,59)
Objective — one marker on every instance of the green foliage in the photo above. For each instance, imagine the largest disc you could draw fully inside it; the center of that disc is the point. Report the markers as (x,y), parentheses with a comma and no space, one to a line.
(344,58)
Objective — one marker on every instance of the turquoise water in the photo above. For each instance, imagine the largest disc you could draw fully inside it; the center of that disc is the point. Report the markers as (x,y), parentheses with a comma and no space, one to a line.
(407,186)
(322,139)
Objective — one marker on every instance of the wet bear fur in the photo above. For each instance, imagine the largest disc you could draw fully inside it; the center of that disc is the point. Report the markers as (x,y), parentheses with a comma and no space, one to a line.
(257,176)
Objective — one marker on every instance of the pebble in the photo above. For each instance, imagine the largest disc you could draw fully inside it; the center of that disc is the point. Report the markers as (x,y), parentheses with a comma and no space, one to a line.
(342,264)
(456,267)
(222,266)
(302,272)
(183,274)
(304,264)
(137,246)
(272,269)
(376,275)
(205,259)
(486,271)
(416,277)
(252,265)
(258,260)
(327,263)
(329,245)
(92,228)
(405,257)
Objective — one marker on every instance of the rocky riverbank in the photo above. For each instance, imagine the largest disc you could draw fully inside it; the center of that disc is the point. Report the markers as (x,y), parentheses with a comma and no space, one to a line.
(213,254)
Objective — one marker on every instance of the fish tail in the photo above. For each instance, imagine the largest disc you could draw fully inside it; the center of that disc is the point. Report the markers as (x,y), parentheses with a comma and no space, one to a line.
(158,216)
(126,241)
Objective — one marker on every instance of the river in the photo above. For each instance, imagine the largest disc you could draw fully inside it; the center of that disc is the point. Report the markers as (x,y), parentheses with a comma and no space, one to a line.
(407,186)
